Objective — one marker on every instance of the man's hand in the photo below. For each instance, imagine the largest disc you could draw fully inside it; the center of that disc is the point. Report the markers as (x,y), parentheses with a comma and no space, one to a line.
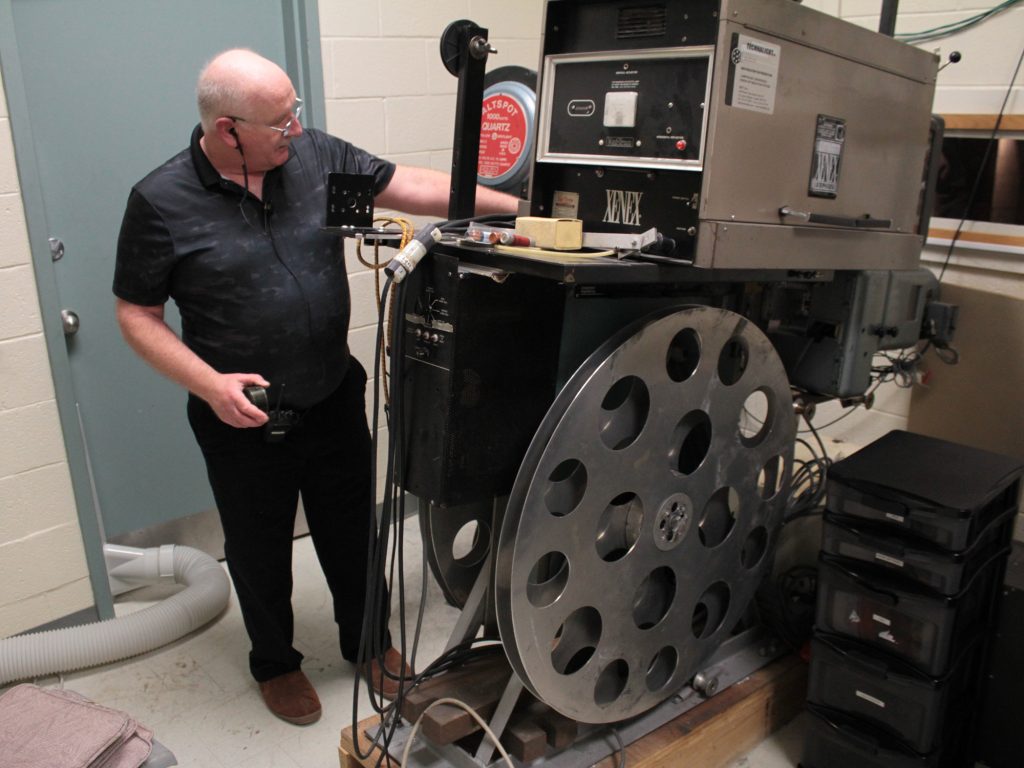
(224,395)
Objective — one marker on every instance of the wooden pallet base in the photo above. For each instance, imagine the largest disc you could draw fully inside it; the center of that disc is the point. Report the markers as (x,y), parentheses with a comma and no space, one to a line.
(711,735)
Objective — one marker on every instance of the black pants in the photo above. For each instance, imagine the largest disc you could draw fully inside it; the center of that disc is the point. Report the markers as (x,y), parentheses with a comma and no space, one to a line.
(327,459)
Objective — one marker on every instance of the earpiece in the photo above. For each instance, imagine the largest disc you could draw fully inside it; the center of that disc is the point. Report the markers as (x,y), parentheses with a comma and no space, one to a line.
(238,141)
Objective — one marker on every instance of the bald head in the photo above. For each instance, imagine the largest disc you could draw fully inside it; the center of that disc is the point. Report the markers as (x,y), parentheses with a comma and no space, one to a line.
(237,82)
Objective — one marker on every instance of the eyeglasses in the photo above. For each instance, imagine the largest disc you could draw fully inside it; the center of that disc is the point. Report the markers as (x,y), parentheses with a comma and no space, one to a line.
(286,129)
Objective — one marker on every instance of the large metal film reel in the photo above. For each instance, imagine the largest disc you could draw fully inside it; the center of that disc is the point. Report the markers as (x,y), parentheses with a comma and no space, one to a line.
(456,542)
(641,518)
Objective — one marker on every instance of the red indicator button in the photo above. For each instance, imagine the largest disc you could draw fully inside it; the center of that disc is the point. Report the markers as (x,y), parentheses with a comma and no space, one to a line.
(681,145)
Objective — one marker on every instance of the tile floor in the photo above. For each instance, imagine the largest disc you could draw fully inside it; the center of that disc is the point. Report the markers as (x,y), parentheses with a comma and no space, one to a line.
(197,696)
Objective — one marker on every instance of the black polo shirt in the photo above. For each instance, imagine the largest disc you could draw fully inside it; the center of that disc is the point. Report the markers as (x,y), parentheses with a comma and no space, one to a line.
(260,286)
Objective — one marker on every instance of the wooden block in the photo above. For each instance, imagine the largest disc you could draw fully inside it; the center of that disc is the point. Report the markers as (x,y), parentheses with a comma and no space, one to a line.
(479,685)
(347,755)
(524,739)
(711,735)
(560,234)
(726,726)
(559,729)
(447,723)
(488,673)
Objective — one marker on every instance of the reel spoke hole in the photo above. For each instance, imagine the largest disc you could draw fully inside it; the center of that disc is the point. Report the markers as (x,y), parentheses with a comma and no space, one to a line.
(691,441)
(733,360)
(470,545)
(754,547)
(769,479)
(756,417)
(566,487)
(719,517)
(624,412)
(619,527)
(547,579)
(611,683)
(661,668)
(576,640)
(683,355)
(709,613)
(654,597)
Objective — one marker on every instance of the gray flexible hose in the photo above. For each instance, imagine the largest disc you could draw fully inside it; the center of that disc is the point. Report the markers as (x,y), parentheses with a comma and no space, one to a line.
(63,650)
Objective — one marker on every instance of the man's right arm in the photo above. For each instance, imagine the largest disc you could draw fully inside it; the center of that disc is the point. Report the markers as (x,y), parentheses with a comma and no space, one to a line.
(153,340)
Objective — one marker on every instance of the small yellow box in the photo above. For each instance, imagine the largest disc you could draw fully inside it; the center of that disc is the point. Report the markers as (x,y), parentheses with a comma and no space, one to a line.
(560,234)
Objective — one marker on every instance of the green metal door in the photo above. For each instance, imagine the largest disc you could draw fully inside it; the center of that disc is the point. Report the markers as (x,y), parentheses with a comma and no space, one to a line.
(105,92)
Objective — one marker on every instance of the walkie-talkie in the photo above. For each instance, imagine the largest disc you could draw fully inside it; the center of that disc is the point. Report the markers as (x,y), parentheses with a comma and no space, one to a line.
(279,421)
(257,395)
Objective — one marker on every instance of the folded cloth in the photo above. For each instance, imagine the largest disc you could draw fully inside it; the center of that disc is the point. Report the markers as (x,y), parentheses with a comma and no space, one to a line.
(44,728)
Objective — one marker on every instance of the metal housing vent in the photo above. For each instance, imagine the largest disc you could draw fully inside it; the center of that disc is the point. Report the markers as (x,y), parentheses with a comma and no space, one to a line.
(648,21)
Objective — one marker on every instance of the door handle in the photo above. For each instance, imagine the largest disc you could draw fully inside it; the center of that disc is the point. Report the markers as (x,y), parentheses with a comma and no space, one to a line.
(862,222)
(69,321)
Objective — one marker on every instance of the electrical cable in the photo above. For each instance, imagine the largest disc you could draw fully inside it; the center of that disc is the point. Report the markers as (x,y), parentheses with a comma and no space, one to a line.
(981,167)
(787,602)
(375,621)
(472,713)
(456,225)
(370,601)
(808,481)
(376,266)
(621,751)
(391,518)
(955,27)
(451,659)
(386,562)
(901,370)
(821,443)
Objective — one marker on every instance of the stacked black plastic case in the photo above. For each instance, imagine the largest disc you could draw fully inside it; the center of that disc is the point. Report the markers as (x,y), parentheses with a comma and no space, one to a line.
(914,549)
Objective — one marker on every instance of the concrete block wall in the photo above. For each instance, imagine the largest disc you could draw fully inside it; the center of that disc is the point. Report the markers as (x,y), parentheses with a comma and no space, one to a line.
(42,561)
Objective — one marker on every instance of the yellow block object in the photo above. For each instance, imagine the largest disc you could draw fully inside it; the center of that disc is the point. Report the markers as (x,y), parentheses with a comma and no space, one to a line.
(560,234)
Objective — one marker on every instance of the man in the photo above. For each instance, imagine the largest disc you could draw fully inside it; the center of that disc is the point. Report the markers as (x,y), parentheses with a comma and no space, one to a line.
(231,228)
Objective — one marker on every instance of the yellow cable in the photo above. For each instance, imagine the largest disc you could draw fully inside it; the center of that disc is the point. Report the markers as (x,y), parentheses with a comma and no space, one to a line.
(376,266)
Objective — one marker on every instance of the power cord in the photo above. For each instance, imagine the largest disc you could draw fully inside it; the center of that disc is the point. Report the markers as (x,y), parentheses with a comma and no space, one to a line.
(808,483)
(621,748)
(461,705)
(376,266)
(984,161)
(386,537)
(786,602)
(955,27)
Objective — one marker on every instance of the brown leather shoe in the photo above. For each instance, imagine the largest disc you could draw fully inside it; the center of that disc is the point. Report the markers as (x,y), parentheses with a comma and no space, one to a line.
(292,698)
(386,685)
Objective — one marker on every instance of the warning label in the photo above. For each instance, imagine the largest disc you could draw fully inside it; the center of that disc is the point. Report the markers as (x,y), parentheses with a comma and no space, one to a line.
(829,138)
(753,74)
(502,135)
